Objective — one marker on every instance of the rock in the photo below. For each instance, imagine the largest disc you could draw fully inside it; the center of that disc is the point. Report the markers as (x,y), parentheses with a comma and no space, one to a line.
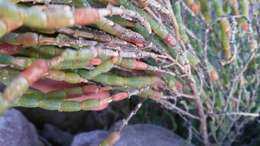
(15,130)
(133,135)
(55,135)
(92,138)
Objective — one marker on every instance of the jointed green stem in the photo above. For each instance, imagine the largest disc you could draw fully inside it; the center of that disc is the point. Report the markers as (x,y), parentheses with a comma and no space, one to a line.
(158,28)
(205,10)
(103,68)
(65,76)
(224,30)
(177,8)
(131,82)
(33,39)
(59,104)
(244,8)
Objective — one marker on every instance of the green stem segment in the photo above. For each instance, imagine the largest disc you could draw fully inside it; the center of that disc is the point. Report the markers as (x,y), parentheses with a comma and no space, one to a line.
(131,82)
(244,8)
(205,10)
(103,68)
(177,11)
(158,28)
(119,31)
(59,104)
(224,30)
(21,83)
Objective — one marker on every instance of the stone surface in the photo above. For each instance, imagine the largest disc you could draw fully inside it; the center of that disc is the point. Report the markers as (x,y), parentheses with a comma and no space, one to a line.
(133,135)
(55,135)
(92,138)
(15,130)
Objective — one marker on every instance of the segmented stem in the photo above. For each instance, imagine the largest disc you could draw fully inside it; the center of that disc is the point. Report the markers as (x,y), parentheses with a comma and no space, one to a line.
(58,103)
(45,17)
(157,28)
(244,9)
(65,76)
(224,30)
(29,39)
(205,10)
(132,82)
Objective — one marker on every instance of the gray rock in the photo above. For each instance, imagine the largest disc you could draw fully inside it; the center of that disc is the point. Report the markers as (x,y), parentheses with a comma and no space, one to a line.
(133,135)
(92,138)
(56,135)
(15,130)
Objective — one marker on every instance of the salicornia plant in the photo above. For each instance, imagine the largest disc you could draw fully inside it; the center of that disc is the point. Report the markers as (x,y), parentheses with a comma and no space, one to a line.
(198,58)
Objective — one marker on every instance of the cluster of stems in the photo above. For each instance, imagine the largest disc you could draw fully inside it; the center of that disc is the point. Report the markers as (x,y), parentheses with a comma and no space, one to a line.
(78,56)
